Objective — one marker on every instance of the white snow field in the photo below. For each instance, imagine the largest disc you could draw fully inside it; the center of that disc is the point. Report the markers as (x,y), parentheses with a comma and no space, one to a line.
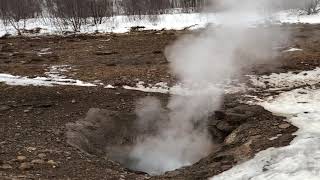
(301,159)
(123,24)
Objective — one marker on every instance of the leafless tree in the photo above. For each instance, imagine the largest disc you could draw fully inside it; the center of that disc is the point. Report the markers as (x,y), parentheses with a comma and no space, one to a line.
(15,11)
(312,6)
(3,12)
(69,12)
(100,9)
(75,13)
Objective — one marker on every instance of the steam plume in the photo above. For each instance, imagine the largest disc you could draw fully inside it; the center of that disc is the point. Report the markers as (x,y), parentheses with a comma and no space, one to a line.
(206,58)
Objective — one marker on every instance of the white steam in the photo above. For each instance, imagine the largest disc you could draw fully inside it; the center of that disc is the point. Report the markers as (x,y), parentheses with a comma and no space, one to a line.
(180,134)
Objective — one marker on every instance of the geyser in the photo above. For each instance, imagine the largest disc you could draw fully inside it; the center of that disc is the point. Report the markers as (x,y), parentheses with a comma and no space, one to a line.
(200,61)
(167,137)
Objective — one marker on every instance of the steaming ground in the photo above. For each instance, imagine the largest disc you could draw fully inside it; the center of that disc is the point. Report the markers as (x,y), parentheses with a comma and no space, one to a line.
(33,118)
(213,55)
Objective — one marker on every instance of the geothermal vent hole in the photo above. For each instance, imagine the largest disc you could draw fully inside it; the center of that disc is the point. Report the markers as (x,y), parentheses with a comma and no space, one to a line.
(137,140)
(137,145)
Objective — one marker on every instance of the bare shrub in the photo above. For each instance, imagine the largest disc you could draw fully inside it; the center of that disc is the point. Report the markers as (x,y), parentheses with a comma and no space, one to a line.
(14,11)
(312,7)
(153,7)
(66,13)
(100,9)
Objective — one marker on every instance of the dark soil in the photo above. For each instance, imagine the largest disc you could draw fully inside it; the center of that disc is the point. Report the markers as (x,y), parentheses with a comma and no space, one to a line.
(33,119)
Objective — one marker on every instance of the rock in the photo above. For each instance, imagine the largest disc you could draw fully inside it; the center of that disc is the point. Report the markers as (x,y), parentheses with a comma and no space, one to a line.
(136,28)
(216,134)
(4,108)
(42,155)
(238,135)
(157,52)
(223,157)
(102,128)
(249,110)
(225,126)
(30,149)
(52,163)
(5,167)
(73,101)
(243,152)
(230,138)
(226,167)
(219,115)
(236,117)
(284,126)
(37,161)
(105,53)
(21,158)
(25,166)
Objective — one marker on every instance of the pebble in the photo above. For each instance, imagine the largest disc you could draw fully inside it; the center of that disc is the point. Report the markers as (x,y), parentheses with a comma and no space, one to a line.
(5,167)
(73,101)
(29,149)
(4,108)
(51,162)
(42,155)
(37,161)
(284,126)
(25,166)
(21,158)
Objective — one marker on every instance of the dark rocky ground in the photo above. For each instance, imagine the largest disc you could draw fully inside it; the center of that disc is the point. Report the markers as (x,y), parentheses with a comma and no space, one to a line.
(33,120)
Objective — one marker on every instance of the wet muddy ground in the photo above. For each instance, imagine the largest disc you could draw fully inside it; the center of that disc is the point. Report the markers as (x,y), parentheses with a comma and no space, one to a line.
(33,120)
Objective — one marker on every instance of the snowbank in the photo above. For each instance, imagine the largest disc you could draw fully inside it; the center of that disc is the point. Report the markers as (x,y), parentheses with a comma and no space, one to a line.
(301,159)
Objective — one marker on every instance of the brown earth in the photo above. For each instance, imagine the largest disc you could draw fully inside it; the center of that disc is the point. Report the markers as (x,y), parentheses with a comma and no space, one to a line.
(33,120)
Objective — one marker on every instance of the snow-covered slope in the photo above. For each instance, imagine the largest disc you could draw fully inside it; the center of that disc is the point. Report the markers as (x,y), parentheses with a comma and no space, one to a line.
(301,159)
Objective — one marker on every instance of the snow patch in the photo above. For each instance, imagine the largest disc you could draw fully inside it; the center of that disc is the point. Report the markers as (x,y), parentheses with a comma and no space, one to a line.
(44,51)
(292,50)
(109,86)
(53,78)
(288,80)
(39,81)
(292,17)
(183,90)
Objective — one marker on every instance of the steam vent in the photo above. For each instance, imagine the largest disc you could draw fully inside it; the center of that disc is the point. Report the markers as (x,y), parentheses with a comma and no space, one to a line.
(160,89)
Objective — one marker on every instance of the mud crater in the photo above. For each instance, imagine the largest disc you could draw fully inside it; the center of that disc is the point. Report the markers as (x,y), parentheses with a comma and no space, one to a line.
(238,131)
